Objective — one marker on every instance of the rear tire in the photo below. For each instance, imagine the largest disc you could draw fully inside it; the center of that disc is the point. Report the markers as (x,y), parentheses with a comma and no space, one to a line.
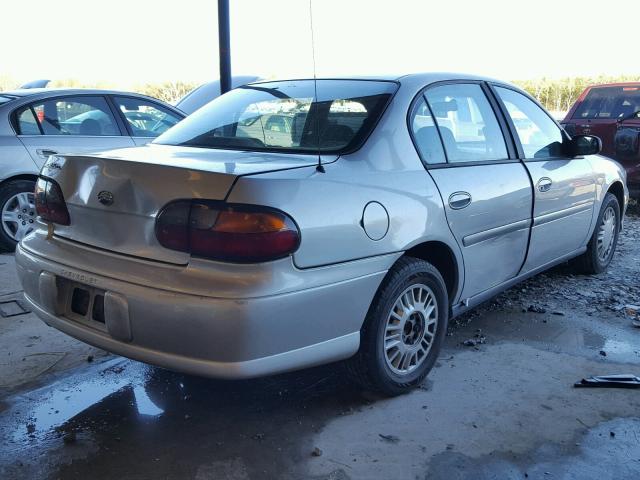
(404,329)
(604,239)
(17,204)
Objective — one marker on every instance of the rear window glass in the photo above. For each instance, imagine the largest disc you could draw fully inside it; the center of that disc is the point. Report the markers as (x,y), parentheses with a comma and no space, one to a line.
(609,102)
(286,116)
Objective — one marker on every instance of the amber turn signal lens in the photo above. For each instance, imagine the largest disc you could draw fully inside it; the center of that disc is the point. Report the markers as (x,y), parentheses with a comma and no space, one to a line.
(247,222)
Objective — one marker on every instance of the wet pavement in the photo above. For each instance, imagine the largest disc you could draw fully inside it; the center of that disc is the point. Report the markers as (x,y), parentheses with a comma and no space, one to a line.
(502,407)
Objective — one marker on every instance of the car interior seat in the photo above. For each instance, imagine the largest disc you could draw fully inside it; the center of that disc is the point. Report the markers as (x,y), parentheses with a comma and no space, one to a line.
(90,126)
(336,135)
(450,144)
(429,144)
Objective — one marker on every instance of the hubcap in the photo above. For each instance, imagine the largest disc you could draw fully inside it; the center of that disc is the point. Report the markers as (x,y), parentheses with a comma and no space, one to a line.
(606,234)
(19,215)
(410,329)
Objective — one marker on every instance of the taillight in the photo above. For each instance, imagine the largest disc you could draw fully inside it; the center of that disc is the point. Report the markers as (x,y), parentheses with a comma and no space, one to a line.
(50,204)
(232,233)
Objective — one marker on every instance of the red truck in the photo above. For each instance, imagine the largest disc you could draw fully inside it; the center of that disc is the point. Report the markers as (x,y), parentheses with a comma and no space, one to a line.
(611,112)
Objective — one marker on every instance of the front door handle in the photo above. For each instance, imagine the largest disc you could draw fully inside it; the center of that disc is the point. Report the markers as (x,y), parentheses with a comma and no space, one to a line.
(459,200)
(45,153)
(544,184)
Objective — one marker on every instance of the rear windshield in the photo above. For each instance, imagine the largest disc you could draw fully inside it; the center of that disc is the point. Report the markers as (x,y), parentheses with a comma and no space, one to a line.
(609,102)
(287,116)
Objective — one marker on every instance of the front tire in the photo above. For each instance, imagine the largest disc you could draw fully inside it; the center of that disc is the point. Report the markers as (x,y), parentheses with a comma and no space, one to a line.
(18,212)
(604,240)
(404,330)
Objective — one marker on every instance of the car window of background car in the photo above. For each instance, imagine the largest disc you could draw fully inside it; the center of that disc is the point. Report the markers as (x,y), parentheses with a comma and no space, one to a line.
(145,118)
(425,134)
(284,115)
(538,133)
(609,102)
(27,123)
(73,116)
(469,128)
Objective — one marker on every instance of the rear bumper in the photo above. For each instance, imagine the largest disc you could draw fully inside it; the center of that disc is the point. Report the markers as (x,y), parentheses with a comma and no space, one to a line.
(238,337)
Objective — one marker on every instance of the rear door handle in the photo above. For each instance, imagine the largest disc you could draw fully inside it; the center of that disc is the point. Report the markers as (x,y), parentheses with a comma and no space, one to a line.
(544,184)
(459,200)
(44,153)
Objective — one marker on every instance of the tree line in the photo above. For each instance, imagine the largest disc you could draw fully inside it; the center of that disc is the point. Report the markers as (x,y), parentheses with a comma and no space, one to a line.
(559,94)
(556,94)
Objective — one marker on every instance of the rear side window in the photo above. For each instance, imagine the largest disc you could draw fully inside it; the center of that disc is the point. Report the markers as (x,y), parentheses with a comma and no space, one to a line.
(609,102)
(294,116)
(145,118)
(539,136)
(425,134)
(468,126)
(83,116)
(27,123)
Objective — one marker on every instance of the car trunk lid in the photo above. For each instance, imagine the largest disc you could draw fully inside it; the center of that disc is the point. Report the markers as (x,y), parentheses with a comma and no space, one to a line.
(114,197)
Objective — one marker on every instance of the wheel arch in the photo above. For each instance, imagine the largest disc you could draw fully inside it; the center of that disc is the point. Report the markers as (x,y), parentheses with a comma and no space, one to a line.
(24,176)
(617,189)
(443,258)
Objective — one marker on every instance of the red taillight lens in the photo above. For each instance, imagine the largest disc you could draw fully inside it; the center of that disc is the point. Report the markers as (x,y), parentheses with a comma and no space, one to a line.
(50,204)
(238,233)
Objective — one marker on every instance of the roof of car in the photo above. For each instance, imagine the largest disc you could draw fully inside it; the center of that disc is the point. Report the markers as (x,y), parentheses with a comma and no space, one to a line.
(423,78)
(26,92)
(616,84)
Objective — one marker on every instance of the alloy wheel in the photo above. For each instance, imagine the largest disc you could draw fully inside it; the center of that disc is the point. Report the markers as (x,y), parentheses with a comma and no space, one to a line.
(606,234)
(19,215)
(410,329)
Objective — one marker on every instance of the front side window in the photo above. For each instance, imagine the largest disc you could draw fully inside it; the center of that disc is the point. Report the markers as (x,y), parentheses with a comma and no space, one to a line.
(609,102)
(145,118)
(286,116)
(468,127)
(425,134)
(85,115)
(538,133)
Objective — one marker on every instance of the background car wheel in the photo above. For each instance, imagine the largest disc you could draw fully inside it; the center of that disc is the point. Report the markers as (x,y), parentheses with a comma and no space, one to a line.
(404,329)
(18,210)
(602,244)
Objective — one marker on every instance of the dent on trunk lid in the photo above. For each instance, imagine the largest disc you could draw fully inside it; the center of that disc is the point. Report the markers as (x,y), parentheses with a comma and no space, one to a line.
(140,182)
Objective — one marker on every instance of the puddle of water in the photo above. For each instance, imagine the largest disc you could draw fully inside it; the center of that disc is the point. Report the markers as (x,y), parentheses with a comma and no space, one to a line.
(554,331)
(620,349)
(65,401)
(610,450)
(107,408)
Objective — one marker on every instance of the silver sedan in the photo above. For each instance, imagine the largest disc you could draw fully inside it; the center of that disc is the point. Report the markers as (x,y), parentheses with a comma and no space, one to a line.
(295,223)
(38,122)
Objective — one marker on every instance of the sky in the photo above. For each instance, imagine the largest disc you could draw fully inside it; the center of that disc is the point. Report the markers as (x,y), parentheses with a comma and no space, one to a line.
(129,42)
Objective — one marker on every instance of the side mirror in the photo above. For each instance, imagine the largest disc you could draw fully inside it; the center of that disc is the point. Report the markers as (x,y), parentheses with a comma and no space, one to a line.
(581,145)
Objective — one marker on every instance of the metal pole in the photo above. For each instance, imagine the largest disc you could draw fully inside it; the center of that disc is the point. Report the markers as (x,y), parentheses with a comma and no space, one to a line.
(224,45)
